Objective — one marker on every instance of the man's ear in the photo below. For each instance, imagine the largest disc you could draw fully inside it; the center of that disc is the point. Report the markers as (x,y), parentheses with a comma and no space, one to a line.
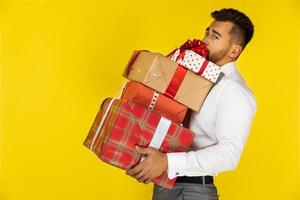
(235,51)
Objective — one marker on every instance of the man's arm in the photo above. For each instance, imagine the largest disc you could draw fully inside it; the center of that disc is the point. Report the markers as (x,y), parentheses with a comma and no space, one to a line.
(235,112)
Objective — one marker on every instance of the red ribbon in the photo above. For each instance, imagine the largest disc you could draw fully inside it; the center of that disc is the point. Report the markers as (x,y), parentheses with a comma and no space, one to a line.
(176,81)
(203,67)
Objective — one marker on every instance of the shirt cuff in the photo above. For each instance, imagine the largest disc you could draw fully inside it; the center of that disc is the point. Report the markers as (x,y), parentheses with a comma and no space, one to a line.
(176,164)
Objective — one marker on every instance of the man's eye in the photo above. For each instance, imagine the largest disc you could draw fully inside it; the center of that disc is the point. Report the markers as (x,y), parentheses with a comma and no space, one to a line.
(215,37)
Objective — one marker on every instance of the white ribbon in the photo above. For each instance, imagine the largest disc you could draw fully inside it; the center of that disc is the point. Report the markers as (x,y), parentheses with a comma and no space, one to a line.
(159,134)
(153,100)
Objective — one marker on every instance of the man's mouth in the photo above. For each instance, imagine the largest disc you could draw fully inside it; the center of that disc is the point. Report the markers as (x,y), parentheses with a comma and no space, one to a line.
(208,53)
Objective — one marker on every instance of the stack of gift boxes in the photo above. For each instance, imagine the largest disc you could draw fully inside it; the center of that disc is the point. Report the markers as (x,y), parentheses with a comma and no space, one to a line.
(153,105)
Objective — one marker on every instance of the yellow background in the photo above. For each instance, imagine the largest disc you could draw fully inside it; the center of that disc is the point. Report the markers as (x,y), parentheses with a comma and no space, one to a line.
(59,59)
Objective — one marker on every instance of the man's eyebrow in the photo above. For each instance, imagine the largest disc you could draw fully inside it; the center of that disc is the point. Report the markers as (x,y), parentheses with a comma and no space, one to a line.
(217,33)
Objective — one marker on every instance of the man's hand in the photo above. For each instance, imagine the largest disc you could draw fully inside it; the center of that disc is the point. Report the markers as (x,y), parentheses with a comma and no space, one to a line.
(153,166)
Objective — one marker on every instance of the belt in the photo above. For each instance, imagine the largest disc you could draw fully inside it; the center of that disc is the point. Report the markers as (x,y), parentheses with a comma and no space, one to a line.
(195,179)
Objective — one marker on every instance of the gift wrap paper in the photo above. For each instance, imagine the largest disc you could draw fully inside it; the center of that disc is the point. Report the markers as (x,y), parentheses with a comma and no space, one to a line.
(168,77)
(155,101)
(120,125)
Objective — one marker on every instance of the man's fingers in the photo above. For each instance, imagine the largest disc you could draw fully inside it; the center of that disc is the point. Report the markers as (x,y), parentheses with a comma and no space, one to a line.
(135,170)
(147,181)
(143,150)
(139,175)
(142,178)
(150,178)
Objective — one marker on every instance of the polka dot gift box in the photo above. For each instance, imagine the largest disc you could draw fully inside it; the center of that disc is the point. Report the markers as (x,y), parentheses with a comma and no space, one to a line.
(192,55)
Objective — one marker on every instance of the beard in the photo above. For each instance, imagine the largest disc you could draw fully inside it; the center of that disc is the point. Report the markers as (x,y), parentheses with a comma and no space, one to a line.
(217,56)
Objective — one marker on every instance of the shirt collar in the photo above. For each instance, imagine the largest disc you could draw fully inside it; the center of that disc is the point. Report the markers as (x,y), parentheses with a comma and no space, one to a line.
(228,68)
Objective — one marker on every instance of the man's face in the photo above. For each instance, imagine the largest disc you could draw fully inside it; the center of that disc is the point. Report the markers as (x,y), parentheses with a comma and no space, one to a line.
(218,40)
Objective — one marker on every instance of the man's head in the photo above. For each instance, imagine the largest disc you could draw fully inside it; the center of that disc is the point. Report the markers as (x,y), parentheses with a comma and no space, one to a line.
(227,35)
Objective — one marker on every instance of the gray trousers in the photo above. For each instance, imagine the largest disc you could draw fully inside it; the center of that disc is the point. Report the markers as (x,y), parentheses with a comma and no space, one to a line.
(186,191)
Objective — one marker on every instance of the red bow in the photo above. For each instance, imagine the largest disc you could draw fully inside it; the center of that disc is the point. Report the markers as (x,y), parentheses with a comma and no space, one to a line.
(197,46)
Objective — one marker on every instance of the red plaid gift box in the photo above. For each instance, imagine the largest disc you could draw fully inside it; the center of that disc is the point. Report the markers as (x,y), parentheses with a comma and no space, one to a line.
(120,125)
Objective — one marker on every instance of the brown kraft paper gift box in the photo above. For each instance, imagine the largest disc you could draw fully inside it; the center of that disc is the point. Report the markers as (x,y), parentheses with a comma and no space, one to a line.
(168,77)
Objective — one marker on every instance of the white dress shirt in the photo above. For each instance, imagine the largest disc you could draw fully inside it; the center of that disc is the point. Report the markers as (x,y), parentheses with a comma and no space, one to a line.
(221,129)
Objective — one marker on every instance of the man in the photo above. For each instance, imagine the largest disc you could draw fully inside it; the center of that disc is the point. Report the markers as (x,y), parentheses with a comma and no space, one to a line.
(221,126)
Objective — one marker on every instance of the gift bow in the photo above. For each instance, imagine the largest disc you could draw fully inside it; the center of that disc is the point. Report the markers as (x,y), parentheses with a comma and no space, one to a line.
(197,46)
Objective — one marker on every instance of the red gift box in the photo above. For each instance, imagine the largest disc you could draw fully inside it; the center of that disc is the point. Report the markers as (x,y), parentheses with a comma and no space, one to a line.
(120,125)
(155,101)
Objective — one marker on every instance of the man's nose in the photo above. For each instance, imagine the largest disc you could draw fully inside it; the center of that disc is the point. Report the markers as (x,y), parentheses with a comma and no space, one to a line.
(205,40)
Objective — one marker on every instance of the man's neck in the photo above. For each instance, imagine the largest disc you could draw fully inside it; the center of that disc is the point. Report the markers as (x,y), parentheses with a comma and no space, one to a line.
(224,61)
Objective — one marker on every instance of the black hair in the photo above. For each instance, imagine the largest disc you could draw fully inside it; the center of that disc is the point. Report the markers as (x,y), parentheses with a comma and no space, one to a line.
(243,29)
